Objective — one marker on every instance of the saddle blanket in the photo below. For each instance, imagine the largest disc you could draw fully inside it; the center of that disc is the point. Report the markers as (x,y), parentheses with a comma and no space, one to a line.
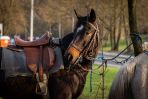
(14,63)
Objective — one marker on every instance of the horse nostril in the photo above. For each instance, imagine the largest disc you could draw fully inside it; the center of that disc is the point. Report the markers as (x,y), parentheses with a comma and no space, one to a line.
(69,57)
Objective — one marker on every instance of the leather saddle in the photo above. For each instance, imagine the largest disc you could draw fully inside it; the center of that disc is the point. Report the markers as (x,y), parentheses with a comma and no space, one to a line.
(39,55)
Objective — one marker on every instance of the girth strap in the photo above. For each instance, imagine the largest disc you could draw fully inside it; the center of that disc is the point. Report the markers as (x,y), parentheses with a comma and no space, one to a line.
(41,64)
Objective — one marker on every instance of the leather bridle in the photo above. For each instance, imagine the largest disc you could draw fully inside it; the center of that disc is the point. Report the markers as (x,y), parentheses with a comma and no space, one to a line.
(84,51)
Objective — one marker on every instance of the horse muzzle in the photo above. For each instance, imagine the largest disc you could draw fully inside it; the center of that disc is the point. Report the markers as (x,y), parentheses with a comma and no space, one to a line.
(71,55)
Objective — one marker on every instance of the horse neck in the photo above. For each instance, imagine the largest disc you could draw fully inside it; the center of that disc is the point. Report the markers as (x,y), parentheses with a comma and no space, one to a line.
(66,41)
(83,68)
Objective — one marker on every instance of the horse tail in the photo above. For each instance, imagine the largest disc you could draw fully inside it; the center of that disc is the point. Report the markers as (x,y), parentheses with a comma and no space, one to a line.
(121,88)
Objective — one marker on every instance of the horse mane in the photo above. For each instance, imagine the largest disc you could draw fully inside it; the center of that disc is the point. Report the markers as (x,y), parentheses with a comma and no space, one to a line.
(121,86)
(66,41)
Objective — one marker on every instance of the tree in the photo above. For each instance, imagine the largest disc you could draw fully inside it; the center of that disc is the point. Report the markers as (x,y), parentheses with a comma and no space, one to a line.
(133,27)
(9,10)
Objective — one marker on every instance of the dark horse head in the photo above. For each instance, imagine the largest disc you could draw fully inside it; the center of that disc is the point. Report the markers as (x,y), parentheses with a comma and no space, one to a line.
(85,39)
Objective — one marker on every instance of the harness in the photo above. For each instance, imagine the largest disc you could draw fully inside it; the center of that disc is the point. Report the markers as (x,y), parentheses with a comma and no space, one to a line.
(87,51)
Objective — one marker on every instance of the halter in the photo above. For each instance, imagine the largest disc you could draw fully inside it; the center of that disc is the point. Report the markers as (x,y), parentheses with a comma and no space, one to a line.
(84,52)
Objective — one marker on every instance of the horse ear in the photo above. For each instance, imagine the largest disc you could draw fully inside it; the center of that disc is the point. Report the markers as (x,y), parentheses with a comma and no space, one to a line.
(92,16)
(76,13)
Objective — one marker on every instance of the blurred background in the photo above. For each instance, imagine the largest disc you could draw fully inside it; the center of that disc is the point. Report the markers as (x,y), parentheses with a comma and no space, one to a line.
(58,17)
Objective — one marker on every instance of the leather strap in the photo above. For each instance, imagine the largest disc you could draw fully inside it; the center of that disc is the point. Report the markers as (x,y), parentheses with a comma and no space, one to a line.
(41,64)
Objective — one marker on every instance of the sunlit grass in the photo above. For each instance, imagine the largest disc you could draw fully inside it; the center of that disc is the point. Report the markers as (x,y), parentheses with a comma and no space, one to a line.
(107,45)
(144,38)
(96,84)
(122,43)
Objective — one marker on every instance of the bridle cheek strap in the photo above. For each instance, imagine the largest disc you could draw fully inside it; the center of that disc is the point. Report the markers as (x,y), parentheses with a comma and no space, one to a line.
(76,51)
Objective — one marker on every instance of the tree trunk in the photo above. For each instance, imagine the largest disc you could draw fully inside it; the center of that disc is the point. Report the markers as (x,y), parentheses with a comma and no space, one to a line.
(118,36)
(119,26)
(126,31)
(111,34)
(114,27)
(133,27)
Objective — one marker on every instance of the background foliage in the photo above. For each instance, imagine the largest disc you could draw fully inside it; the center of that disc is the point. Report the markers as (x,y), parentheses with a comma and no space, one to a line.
(112,16)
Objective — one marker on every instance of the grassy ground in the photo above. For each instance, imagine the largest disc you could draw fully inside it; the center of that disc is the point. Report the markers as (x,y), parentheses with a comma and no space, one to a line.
(145,38)
(96,84)
(107,46)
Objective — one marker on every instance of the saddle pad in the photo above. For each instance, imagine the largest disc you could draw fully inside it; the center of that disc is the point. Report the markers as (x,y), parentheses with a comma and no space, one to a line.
(14,63)
(59,60)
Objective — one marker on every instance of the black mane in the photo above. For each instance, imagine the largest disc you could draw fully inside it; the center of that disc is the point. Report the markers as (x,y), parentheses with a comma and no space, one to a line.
(66,41)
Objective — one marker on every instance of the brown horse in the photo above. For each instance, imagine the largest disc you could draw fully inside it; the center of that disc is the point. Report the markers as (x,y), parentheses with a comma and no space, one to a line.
(67,83)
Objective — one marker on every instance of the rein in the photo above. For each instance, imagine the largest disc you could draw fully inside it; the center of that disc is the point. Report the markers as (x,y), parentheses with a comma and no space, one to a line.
(137,38)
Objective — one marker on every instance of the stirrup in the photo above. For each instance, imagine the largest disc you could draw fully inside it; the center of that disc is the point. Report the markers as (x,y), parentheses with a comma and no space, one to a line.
(41,87)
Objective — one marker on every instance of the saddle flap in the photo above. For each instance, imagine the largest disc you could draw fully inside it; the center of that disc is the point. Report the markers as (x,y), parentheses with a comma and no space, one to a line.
(33,56)
(48,57)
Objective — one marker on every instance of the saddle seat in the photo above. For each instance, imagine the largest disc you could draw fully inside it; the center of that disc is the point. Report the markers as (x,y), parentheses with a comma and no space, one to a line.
(40,56)
(41,41)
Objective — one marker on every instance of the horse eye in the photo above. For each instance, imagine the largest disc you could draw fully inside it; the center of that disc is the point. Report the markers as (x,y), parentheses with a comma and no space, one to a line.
(87,32)
(89,27)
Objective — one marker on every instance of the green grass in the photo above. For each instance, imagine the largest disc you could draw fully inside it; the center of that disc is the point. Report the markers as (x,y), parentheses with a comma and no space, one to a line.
(96,84)
(107,45)
(144,38)
(122,43)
